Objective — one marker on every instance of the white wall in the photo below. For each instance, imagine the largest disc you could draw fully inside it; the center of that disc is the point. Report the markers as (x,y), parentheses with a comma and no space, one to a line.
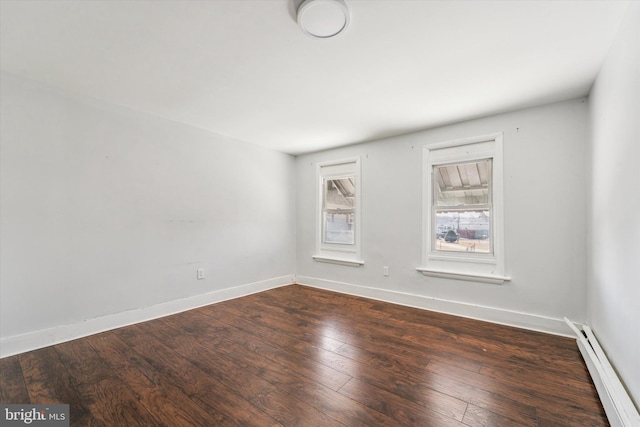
(105,210)
(545,208)
(614,257)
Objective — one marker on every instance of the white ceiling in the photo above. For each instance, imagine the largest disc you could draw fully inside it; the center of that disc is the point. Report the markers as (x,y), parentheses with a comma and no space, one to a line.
(244,69)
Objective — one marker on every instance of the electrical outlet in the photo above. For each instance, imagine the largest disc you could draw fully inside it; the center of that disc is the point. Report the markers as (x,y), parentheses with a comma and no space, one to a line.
(200,273)
(385,270)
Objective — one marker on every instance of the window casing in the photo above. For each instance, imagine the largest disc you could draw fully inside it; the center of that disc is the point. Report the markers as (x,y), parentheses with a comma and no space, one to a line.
(463,223)
(338,212)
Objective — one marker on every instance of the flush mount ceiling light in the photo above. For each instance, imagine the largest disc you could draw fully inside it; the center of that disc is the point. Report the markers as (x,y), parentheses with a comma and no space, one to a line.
(323,18)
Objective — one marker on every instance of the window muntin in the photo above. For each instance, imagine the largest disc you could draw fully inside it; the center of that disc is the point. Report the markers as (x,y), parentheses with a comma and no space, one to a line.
(462,207)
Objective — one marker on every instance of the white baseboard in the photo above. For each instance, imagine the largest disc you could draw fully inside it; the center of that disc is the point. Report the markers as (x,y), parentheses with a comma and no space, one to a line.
(489,314)
(43,338)
(38,339)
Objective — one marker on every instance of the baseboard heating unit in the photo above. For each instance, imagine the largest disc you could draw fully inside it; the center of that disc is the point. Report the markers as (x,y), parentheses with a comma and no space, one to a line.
(617,403)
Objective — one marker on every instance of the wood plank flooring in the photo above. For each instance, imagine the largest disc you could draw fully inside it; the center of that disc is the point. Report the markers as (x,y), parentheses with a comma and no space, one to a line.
(299,356)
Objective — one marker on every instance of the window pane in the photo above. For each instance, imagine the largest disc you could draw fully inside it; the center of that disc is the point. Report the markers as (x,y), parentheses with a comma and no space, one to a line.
(462,183)
(463,231)
(338,213)
(339,193)
(338,228)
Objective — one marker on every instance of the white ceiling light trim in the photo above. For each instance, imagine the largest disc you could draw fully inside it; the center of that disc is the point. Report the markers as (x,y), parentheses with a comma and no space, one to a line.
(323,18)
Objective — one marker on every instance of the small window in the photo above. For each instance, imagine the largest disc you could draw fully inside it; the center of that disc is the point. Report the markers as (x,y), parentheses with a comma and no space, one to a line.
(463,210)
(338,235)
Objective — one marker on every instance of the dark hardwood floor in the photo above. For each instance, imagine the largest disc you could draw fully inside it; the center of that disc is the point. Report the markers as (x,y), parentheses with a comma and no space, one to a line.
(298,356)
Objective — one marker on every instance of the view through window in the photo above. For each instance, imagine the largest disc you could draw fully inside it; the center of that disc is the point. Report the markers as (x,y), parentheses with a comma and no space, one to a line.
(462,207)
(339,210)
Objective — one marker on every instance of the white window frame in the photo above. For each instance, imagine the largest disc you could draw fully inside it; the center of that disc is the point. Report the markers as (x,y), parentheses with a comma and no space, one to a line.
(343,254)
(470,266)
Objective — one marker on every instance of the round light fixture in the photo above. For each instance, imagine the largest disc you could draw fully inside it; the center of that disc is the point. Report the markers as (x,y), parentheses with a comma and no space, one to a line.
(323,18)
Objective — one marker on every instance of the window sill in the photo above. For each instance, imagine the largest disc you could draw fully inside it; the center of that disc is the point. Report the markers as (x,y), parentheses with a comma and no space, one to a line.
(340,261)
(482,278)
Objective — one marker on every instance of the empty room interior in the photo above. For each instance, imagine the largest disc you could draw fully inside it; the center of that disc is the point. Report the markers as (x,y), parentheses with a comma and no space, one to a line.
(320,212)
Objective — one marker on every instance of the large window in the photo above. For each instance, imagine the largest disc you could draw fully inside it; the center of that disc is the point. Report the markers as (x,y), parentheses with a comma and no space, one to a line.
(463,210)
(338,230)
